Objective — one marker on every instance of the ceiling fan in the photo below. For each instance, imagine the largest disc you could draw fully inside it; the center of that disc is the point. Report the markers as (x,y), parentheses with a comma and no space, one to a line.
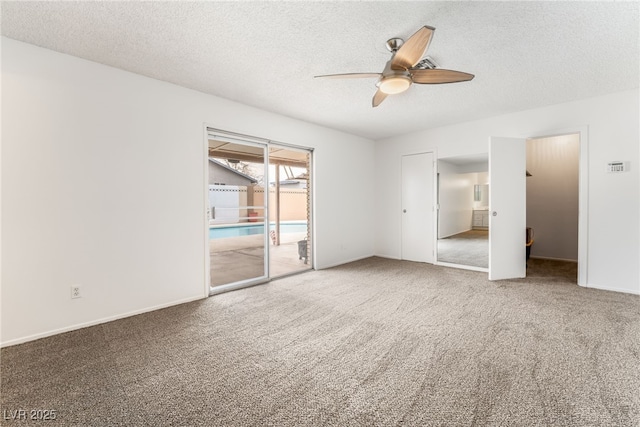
(403,68)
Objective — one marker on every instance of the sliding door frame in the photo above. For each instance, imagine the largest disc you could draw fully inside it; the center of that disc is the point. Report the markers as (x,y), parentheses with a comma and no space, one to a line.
(257,280)
(267,143)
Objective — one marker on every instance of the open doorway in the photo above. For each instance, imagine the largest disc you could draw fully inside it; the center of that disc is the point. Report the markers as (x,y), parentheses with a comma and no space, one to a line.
(553,204)
(463,215)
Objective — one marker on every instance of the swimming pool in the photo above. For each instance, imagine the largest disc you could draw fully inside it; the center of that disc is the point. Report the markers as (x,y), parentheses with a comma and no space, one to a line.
(248,229)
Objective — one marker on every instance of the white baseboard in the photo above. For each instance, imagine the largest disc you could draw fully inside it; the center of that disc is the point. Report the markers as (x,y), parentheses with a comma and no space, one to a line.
(388,257)
(457,232)
(94,322)
(323,267)
(462,267)
(605,288)
(554,259)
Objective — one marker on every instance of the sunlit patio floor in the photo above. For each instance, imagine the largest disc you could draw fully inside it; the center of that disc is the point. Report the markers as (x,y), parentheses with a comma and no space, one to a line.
(240,258)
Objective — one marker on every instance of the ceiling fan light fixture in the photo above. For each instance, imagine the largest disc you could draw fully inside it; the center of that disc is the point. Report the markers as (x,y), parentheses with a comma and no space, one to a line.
(394,84)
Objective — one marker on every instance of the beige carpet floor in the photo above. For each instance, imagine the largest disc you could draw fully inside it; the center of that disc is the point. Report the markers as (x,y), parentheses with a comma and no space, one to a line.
(373,343)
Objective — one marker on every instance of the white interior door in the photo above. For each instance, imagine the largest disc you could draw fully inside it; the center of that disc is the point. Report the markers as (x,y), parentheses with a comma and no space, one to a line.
(417,207)
(507,208)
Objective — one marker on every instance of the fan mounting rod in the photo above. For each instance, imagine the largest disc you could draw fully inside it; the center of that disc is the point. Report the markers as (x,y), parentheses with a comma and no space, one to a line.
(394,44)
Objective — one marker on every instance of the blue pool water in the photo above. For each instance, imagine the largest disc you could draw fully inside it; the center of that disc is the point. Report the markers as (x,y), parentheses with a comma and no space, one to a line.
(237,230)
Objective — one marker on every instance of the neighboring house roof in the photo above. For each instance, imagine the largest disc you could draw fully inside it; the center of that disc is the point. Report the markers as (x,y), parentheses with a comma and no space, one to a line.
(250,178)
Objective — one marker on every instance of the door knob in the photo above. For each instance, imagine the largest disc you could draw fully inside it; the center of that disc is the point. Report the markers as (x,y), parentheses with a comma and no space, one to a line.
(494,213)
(404,211)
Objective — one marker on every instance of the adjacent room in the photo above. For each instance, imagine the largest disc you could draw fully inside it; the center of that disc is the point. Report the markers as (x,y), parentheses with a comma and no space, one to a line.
(463,211)
(553,202)
(320,213)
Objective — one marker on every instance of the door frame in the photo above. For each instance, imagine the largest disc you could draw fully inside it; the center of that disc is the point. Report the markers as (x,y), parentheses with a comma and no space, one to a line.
(437,222)
(583,193)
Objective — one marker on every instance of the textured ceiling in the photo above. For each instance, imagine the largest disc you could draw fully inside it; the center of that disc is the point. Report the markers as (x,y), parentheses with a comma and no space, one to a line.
(265,54)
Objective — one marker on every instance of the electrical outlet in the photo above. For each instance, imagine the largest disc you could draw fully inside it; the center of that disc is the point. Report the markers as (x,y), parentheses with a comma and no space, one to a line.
(75,292)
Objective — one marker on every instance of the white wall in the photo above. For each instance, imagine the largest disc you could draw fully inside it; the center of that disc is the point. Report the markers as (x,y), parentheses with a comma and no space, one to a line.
(456,191)
(552,196)
(455,199)
(613,124)
(103,175)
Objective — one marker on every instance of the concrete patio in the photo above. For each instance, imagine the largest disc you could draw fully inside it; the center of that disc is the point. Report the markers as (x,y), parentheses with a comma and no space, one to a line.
(241,258)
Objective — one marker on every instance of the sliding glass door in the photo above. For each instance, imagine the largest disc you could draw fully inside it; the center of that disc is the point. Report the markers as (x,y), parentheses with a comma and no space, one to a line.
(238,229)
(259,201)
(290,210)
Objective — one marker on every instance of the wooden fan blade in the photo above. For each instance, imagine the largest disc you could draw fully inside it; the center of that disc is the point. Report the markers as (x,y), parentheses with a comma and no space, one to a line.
(349,76)
(413,49)
(378,98)
(437,76)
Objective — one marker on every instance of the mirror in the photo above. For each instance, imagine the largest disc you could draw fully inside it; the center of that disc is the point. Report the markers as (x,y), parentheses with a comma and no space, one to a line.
(463,216)
(481,194)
